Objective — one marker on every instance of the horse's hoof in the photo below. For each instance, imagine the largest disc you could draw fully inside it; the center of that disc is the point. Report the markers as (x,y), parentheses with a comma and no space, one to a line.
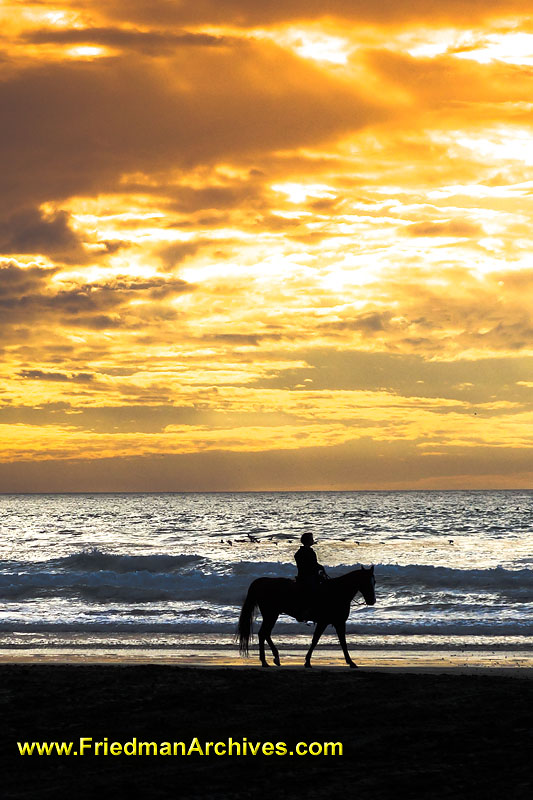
(277,661)
(352,665)
(307,665)
(265,664)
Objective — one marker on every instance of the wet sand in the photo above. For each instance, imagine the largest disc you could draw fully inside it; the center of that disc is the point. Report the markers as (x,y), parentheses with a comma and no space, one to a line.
(429,734)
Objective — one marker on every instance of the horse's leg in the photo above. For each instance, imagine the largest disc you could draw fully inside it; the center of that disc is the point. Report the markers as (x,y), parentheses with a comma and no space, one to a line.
(319,630)
(340,627)
(261,636)
(264,633)
(273,647)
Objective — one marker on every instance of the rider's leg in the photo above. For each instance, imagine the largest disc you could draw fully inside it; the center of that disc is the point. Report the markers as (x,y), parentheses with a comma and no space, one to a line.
(307,604)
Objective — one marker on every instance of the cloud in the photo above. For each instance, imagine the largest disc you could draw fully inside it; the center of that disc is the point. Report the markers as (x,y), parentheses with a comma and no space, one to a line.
(31,231)
(27,294)
(189,200)
(17,282)
(76,127)
(257,12)
(129,418)
(152,42)
(480,381)
(39,375)
(178,252)
(368,323)
(351,466)
(454,228)
(238,339)
(456,90)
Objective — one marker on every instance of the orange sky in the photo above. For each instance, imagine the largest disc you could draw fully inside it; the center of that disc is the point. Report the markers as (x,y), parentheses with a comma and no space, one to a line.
(251,245)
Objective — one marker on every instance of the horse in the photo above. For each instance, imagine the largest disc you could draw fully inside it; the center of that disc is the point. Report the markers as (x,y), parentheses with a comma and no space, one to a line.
(275,596)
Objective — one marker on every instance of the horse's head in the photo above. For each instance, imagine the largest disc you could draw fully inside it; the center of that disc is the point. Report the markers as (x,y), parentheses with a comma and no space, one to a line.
(367,583)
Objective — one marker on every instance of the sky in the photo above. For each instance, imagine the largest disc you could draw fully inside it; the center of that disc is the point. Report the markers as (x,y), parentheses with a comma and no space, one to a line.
(266,245)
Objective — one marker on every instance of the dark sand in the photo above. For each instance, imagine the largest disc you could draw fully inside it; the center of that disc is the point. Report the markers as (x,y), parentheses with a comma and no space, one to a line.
(414,735)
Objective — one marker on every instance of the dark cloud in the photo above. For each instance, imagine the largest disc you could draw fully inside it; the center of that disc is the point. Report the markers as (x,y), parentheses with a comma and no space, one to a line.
(31,231)
(486,380)
(108,419)
(76,127)
(371,322)
(507,335)
(274,222)
(97,322)
(462,89)
(27,293)
(16,282)
(134,418)
(153,288)
(63,377)
(108,248)
(189,200)
(358,464)
(259,12)
(454,228)
(234,338)
(174,254)
(153,42)
(325,205)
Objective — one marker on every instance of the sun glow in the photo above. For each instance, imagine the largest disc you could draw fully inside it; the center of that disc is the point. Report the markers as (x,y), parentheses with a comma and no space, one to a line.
(320,47)
(298,193)
(88,51)
(510,143)
(510,48)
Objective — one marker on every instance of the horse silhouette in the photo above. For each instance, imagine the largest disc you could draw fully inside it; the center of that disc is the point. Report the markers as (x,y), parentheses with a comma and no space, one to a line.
(275,596)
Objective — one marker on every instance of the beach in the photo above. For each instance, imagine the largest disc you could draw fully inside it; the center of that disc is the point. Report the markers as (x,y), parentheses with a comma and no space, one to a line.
(427,733)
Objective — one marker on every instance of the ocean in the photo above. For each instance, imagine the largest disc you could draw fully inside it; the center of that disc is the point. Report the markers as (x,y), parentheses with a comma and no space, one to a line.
(162,576)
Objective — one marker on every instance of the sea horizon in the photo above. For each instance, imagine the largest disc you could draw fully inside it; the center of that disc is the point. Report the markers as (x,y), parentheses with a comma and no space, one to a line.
(266,491)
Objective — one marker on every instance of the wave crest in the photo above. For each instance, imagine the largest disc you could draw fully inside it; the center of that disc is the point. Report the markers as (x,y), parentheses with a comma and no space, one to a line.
(100,576)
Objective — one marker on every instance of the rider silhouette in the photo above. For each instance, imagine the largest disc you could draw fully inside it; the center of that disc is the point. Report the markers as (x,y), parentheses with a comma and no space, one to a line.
(310,573)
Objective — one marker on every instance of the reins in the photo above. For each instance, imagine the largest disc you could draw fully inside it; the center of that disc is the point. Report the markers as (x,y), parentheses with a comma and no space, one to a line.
(361,602)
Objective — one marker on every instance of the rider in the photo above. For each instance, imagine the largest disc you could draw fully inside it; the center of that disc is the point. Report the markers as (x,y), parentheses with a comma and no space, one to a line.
(310,573)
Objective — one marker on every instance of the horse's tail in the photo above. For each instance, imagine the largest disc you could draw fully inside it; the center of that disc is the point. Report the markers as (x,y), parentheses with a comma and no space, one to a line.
(246,619)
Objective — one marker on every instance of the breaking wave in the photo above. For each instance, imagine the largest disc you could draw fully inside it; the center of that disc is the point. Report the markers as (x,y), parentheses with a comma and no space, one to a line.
(99,576)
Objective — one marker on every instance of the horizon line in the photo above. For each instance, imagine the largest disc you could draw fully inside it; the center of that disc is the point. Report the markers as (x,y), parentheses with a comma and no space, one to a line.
(265,491)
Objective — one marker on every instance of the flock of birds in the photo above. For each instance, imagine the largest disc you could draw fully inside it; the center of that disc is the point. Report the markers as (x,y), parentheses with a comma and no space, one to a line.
(255,540)
(250,539)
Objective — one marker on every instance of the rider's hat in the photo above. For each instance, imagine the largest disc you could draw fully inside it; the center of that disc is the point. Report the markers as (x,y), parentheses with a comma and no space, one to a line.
(307,538)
